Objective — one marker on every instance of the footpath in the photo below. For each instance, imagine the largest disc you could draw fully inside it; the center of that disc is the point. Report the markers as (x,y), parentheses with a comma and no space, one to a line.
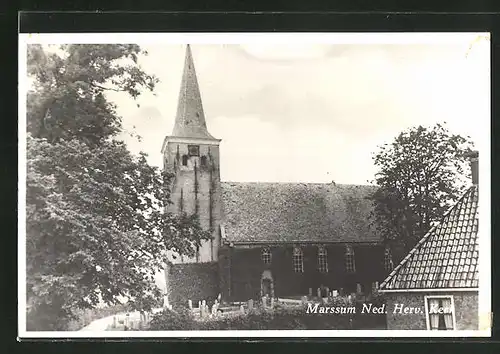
(117,322)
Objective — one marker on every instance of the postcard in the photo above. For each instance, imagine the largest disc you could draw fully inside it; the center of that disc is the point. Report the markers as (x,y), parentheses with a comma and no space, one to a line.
(254,185)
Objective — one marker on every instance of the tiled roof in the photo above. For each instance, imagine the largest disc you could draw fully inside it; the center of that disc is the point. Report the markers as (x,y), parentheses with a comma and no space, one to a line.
(447,256)
(288,212)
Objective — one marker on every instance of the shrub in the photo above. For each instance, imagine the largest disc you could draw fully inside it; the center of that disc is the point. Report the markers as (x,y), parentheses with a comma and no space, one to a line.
(171,320)
(49,317)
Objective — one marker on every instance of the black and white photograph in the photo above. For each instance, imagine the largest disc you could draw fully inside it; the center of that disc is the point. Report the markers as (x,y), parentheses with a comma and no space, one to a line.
(254,185)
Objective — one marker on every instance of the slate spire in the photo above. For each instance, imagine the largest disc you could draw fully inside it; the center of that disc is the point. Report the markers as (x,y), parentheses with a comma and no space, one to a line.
(190,118)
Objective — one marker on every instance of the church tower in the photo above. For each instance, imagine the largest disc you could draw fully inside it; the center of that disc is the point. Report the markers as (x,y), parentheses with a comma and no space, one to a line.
(191,153)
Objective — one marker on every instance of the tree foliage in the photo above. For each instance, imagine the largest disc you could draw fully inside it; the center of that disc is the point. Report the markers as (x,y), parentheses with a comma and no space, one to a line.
(96,226)
(420,174)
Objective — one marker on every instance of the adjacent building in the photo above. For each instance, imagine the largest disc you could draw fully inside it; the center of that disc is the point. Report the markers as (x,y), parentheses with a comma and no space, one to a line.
(438,281)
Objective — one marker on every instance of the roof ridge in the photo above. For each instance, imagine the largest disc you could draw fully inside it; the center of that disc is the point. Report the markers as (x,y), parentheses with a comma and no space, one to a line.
(426,237)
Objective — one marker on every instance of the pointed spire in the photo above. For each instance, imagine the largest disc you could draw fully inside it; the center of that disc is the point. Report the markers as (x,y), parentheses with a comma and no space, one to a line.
(190,118)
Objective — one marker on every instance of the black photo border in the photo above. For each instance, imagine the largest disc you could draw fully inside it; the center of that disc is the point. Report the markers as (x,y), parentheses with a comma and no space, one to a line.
(324,21)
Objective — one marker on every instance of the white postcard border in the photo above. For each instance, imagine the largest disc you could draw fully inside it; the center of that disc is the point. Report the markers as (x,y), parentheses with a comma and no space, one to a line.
(484,298)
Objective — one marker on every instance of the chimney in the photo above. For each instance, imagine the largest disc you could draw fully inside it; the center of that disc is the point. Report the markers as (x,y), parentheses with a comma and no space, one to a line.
(474,166)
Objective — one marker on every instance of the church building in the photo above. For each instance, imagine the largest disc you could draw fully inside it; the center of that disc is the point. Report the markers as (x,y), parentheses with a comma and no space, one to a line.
(275,239)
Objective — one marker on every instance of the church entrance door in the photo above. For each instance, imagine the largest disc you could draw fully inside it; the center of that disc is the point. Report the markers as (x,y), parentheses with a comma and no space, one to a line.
(267,286)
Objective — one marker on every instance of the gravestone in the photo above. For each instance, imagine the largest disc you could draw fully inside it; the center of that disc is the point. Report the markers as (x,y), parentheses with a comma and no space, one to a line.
(358,289)
(242,309)
(127,321)
(203,309)
(250,305)
(190,305)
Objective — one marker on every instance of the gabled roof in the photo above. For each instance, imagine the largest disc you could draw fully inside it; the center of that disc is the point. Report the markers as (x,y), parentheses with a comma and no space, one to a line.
(190,119)
(447,256)
(302,212)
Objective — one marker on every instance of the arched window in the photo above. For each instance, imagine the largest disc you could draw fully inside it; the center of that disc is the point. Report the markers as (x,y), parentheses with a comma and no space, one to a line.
(203,161)
(266,255)
(350,264)
(298,260)
(388,264)
(322,260)
(184,160)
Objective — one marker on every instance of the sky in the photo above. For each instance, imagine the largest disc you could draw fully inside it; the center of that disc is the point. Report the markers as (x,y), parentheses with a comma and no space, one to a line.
(312,111)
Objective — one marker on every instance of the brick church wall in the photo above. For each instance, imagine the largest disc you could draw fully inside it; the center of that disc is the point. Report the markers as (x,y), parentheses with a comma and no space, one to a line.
(466,310)
(242,268)
(193,281)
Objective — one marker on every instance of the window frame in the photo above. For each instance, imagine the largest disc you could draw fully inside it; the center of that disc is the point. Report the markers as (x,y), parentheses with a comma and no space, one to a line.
(349,258)
(298,254)
(427,315)
(266,255)
(322,259)
(388,259)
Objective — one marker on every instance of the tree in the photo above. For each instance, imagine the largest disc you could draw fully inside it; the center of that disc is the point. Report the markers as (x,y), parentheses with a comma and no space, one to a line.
(96,226)
(420,174)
